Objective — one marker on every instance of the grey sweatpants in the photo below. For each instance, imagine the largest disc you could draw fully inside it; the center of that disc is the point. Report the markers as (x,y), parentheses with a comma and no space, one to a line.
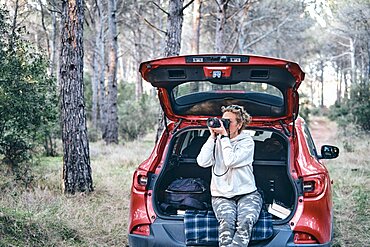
(236,217)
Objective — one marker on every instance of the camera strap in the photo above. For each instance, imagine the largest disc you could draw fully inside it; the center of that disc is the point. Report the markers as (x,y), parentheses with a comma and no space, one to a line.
(213,166)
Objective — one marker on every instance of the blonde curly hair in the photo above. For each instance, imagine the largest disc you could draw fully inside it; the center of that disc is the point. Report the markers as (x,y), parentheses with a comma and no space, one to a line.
(242,115)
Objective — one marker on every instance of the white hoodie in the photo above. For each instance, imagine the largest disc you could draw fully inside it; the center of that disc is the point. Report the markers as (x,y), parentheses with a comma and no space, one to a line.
(232,160)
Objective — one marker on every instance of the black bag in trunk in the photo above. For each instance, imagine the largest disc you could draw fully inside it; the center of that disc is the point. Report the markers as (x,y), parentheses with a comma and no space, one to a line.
(188,193)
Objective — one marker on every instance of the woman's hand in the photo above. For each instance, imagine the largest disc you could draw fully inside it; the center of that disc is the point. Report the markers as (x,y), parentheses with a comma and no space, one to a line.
(218,131)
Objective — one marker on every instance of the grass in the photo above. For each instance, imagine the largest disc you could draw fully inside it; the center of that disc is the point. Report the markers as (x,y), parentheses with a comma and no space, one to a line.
(23,228)
(351,175)
(45,217)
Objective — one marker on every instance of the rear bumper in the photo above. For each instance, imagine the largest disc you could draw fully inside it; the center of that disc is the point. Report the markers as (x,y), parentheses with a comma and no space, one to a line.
(162,233)
(171,234)
(310,245)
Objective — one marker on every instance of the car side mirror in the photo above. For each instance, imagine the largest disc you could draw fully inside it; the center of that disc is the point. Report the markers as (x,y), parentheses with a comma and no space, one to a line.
(329,152)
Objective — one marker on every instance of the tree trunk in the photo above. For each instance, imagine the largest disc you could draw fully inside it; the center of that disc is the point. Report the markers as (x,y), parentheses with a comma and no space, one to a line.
(139,79)
(154,35)
(76,158)
(101,66)
(345,78)
(46,33)
(97,69)
(111,130)
(138,54)
(368,62)
(220,26)
(196,36)
(121,65)
(322,83)
(196,26)
(94,88)
(353,61)
(312,91)
(174,28)
(14,24)
(339,83)
(173,44)
(53,45)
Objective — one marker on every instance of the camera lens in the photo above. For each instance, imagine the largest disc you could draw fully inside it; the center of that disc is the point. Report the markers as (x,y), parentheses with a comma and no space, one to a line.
(213,122)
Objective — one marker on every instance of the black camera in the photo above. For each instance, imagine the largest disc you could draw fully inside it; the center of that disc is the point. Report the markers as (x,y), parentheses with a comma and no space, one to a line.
(214,122)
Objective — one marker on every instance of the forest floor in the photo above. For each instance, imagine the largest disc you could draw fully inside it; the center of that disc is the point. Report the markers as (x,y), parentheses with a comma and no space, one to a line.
(43,216)
(323,131)
(350,173)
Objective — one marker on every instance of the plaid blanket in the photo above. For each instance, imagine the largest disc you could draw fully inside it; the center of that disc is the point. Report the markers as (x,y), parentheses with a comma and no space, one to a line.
(201,227)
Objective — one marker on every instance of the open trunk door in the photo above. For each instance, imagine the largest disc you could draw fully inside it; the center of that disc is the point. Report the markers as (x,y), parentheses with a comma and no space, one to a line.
(195,87)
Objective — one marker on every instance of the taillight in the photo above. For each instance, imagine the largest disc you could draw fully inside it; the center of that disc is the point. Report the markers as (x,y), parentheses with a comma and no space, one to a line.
(140,180)
(141,230)
(314,185)
(304,238)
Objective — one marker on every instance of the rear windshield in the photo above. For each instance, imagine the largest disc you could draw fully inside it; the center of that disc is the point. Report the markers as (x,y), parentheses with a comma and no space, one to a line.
(206,98)
(190,88)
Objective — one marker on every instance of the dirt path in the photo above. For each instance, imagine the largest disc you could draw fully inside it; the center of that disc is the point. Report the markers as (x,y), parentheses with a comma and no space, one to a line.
(323,131)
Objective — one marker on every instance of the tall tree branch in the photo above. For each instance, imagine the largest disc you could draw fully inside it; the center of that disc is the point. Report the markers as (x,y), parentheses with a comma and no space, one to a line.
(159,7)
(55,7)
(340,55)
(150,24)
(268,33)
(187,5)
(44,27)
(237,11)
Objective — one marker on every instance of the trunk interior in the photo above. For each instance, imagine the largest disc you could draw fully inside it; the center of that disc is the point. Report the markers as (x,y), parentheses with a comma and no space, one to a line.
(270,168)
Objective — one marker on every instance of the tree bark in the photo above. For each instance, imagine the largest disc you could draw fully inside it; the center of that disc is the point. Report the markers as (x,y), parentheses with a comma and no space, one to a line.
(99,39)
(368,61)
(111,130)
(53,46)
(339,83)
(322,83)
(46,33)
(98,68)
(174,28)
(138,52)
(196,26)
(353,61)
(220,25)
(76,158)
(345,78)
(139,79)
(94,88)
(173,44)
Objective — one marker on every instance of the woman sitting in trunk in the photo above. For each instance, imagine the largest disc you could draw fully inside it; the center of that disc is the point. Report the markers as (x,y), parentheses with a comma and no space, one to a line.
(235,199)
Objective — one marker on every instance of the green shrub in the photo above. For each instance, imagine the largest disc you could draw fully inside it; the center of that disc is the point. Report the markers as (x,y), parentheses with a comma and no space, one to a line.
(355,110)
(93,134)
(137,117)
(28,101)
(304,110)
(340,113)
(315,111)
(360,105)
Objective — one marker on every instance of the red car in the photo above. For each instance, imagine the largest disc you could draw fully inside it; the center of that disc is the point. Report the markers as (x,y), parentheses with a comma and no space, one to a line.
(291,174)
